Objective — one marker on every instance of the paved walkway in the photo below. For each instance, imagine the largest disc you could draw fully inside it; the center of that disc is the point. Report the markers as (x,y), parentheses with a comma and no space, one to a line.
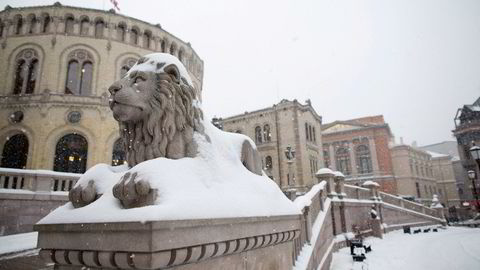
(453,248)
(27,260)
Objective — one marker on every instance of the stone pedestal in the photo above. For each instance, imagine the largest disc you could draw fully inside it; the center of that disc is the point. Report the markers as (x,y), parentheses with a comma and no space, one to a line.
(229,243)
(327,175)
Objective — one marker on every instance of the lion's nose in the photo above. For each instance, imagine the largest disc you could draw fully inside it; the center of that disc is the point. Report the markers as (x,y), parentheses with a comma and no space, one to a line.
(114,88)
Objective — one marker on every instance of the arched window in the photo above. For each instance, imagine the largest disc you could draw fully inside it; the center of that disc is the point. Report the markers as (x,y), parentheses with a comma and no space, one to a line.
(364,161)
(127,64)
(180,55)
(173,48)
(267,134)
(326,158)
(15,152)
(71,154)
(314,136)
(119,156)
(32,21)
(79,73)
(310,132)
(121,29)
(26,72)
(147,37)
(258,134)
(46,23)
(306,132)
(134,36)
(268,163)
(2,26)
(342,159)
(163,46)
(84,24)
(18,25)
(99,27)
(69,22)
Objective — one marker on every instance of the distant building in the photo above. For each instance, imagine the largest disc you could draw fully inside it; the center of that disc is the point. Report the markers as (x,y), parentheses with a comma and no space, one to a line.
(448,171)
(467,132)
(274,130)
(359,148)
(413,170)
(57,64)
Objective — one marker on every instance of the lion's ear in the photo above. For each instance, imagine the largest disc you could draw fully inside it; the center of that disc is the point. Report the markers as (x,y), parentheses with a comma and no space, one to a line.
(173,70)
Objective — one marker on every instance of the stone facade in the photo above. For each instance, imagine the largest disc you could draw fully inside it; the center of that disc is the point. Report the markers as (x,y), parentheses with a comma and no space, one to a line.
(273,129)
(413,170)
(359,148)
(49,51)
(467,132)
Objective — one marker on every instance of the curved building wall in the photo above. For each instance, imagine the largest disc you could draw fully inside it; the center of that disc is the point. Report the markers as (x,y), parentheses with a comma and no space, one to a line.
(57,64)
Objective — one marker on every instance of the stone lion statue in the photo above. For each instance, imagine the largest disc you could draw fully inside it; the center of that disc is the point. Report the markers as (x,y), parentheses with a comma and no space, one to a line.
(159,114)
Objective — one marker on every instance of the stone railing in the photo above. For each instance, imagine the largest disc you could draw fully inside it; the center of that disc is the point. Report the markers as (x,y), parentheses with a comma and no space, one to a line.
(37,180)
(333,212)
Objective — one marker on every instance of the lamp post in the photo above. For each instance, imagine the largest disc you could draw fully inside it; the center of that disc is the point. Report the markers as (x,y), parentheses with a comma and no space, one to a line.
(290,155)
(471,175)
(475,152)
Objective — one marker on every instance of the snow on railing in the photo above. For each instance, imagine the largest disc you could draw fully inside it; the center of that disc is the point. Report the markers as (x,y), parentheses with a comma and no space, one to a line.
(37,180)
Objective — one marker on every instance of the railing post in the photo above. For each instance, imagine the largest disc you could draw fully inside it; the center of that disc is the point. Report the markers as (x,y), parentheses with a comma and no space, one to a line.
(43,183)
(325,174)
(339,179)
(373,186)
(2,180)
(308,224)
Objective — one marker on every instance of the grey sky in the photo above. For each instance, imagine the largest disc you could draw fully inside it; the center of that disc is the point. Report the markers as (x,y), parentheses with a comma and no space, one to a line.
(414,61)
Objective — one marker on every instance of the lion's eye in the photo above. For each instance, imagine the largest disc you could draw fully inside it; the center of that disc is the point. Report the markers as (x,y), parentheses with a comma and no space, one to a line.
(139,79)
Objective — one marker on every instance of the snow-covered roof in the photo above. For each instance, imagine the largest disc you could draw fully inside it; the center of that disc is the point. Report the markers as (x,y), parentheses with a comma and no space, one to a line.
(436,155)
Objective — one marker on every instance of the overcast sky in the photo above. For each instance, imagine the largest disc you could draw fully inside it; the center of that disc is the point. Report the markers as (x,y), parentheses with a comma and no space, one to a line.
(414,61)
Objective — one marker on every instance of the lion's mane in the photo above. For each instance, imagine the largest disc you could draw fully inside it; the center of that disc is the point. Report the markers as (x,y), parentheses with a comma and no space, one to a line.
(167,131)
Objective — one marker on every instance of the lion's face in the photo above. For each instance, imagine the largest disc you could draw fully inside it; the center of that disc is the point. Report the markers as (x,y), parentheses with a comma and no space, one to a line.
(130,96)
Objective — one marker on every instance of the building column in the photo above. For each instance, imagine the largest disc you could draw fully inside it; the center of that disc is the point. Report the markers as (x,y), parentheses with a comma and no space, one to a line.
(331,151)
(373,155)
(353,161)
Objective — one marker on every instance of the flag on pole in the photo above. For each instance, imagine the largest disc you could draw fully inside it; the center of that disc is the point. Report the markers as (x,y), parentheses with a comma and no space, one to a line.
(115,4)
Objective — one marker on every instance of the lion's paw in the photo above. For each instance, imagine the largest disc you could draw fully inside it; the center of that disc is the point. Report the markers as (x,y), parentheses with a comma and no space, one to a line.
(133,193)
(81,196)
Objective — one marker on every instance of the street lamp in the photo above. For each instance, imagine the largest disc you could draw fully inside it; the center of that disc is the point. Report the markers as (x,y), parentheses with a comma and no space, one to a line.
(475,152)
(471,175)
(290,155)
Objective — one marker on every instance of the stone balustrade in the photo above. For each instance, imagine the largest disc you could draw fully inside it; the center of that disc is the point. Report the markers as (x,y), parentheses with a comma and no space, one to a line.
(37,180)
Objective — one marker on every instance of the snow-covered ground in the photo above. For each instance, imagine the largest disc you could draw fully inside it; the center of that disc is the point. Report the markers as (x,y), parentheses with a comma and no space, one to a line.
(18,242)
(453,248)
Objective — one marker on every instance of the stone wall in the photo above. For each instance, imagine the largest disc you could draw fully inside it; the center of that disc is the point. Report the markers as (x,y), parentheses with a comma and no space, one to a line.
(20,211)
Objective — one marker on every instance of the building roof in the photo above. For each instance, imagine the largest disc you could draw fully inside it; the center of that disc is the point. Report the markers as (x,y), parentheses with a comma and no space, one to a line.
(282,104)
(355,124)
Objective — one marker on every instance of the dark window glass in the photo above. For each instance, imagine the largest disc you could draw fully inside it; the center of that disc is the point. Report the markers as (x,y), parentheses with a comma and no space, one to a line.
(364,162)
(267,135)
(18,26)
(1,29)
(20,73)
(258,134)
(99,26)
(71,84)
(173,49)
(46,24)
(180,55)
(164,48)
(268,163)
(32,76)
(69,25)
(121,33)
(15,152)
(31,27)
(146,40)
(71,154)
(133,36)
(119,154)
(84,27)
(343,161)
(86,78)
(306,132)
(417,187)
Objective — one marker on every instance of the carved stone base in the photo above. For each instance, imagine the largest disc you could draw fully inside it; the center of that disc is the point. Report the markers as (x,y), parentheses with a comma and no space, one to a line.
(259,243)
